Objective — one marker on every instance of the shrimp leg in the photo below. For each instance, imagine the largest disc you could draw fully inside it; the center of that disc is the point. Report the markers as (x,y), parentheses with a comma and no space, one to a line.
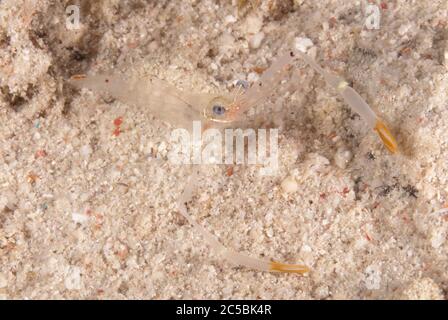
(271,78)
(356,102)
(233,257)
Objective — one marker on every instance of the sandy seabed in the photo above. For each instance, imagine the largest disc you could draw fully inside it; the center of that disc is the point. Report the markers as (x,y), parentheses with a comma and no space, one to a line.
(88,196)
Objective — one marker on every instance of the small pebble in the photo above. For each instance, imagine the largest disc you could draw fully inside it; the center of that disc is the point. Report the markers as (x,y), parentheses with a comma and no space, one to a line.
(213,66)
(372,277)
(256,40)
(438,238)
(252,77)
(73,279)
(342,157)
(79,217)
(322,292)
(36,136)
(306,248)
(229,19)
(289,185)
(303,44)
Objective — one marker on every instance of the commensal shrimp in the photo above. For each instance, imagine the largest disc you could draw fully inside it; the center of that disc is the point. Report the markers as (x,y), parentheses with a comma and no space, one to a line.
(181,108)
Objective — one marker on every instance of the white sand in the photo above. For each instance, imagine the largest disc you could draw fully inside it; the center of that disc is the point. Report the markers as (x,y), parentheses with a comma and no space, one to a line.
(86,214)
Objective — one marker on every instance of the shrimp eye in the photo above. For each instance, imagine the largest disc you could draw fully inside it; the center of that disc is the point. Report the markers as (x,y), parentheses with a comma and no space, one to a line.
(218,110)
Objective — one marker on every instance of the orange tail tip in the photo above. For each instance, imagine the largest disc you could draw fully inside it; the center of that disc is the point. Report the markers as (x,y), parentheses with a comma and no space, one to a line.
(386,136)
(289,268)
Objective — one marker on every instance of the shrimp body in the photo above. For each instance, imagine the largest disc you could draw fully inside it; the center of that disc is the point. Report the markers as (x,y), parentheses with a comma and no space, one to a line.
(161,99)
(181,108)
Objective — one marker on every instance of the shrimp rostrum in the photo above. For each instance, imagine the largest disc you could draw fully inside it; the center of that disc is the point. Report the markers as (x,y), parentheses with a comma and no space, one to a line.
(181,108)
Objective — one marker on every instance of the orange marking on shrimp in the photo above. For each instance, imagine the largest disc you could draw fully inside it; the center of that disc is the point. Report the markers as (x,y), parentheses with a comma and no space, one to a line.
(386,136)
(288,268)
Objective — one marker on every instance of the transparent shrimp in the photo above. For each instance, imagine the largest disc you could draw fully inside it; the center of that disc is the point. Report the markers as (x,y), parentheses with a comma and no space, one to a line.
(179,108)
